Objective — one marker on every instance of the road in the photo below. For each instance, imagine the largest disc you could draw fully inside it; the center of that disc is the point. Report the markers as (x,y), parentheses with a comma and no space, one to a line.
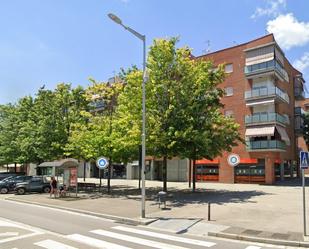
(25,226)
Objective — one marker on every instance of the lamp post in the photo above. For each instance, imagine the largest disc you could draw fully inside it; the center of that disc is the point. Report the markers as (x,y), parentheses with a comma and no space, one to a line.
(117,20)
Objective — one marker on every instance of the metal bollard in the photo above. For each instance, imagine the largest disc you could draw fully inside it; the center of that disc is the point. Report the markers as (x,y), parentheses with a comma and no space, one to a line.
(208,211)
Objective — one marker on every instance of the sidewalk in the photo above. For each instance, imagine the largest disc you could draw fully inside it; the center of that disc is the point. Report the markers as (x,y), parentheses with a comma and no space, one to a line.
(238,211)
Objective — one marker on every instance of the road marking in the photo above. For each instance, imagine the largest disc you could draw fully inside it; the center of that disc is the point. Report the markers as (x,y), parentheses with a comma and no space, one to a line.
(253,247)
(56,209)
(19,237)
(95,242)
(51,244)
(9,223)
(9,234)
(136,240)
(166,236)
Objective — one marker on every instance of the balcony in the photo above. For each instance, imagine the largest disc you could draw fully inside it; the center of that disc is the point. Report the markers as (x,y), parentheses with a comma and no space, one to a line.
(265,118)
(266,145)
(267,92)
(299,93)
(97,105)
(266,68)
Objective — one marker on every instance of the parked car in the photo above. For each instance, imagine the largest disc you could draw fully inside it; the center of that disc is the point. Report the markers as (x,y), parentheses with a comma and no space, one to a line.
(8,184)
(35,184)
(4,175)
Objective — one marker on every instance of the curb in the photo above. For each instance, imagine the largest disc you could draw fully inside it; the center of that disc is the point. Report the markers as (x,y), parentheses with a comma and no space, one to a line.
(120,219)
(260,240)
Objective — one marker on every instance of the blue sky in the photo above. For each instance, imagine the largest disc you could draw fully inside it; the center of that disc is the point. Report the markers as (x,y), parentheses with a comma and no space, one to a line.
(53,41)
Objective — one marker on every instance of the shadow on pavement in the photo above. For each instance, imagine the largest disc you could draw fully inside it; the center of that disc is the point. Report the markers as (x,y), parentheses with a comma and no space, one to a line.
(179,198)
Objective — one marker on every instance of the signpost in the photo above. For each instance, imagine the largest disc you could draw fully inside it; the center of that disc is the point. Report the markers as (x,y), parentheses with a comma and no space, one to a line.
(233,160)
(304,163)
(101,163)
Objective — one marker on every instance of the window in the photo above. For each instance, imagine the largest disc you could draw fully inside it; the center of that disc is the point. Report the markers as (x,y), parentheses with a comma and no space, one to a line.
(229,91)
(228,68)
(229,113)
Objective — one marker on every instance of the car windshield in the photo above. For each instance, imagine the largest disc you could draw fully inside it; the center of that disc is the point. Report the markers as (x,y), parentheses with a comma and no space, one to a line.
(8,179)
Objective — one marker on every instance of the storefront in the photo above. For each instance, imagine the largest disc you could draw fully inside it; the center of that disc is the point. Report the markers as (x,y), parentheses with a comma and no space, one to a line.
(207,170)
(250,172)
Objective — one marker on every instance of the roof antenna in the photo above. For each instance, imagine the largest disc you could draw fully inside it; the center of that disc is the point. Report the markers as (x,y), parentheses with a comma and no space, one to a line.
(207,50)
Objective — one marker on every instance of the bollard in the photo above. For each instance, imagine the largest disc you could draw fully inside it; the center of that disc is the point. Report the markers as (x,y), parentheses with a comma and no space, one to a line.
(208,211)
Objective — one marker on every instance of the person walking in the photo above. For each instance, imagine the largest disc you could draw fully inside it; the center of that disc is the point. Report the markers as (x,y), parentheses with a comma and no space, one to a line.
(53,187)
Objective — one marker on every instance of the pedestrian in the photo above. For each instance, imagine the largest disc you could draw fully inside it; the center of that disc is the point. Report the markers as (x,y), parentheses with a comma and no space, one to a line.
(53,187)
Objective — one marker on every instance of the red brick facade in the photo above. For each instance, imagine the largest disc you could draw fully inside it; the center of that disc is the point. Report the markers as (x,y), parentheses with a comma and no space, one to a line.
(237,104)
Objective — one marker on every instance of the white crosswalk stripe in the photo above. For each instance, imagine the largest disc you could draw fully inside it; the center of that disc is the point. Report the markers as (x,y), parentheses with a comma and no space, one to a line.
(136,240)
(253,247)
(95,242)
(166,236)
(51,244)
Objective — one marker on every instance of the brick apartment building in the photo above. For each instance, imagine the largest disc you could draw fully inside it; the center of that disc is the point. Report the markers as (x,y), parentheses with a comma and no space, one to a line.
(264,94)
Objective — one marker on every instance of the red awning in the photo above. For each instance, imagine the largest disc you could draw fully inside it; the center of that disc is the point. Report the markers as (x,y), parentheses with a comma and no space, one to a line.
(205,161)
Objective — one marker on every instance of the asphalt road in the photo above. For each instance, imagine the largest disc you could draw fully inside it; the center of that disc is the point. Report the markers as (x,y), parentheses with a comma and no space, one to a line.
(24,226)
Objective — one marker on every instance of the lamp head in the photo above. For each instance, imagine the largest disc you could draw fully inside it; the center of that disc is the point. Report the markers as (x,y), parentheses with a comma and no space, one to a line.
(115,18)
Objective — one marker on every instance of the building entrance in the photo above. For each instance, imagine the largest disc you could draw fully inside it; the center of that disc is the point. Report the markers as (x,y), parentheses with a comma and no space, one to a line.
(250,173)
(207,173)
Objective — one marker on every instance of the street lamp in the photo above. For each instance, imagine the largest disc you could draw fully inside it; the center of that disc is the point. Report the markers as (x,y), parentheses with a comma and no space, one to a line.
(117,20)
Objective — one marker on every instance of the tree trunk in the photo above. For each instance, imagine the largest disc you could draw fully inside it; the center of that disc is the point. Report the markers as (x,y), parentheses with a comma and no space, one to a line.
(164,174)
(84,171)
(190,172)
(7,167)
(15,167)
(194,175)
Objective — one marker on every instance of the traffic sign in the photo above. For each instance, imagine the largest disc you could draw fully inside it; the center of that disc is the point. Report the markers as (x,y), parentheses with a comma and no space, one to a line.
(304,159)
(233,160)
(102,163)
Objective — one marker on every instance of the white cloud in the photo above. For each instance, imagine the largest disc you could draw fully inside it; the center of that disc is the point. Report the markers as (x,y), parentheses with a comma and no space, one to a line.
(288,31)
(273,8)
(303,63)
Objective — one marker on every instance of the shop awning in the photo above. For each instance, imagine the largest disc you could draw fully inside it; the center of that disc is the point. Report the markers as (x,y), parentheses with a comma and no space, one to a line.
(283,134)
(68,162)
(260,131)
(265,102)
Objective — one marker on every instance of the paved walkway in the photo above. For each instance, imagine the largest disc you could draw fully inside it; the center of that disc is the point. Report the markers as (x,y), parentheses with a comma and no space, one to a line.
(241,209)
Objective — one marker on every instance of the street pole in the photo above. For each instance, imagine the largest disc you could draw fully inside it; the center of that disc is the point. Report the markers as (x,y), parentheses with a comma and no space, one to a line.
(304,202)
(144,130)
(117,20)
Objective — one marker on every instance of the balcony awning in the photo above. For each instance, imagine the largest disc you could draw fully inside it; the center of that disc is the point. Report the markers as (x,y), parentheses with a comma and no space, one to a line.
(265,102)
(283,134)
(260,131)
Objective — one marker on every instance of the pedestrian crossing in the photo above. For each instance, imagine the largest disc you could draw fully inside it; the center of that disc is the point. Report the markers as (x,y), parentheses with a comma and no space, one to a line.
(119,237)
(124,237)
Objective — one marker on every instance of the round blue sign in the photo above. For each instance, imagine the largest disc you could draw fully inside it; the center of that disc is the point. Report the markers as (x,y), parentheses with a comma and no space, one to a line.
(102,163)
(233,160)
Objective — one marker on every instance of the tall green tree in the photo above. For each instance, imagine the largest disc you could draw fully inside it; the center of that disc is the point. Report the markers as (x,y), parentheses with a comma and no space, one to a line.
(9,149)
(184,114)
(96,137)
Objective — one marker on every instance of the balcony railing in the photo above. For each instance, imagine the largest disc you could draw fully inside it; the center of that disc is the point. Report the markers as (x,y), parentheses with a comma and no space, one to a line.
(267,66)
(265,92)
(299,93)
(266,145)
(265,118)
(98,104)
